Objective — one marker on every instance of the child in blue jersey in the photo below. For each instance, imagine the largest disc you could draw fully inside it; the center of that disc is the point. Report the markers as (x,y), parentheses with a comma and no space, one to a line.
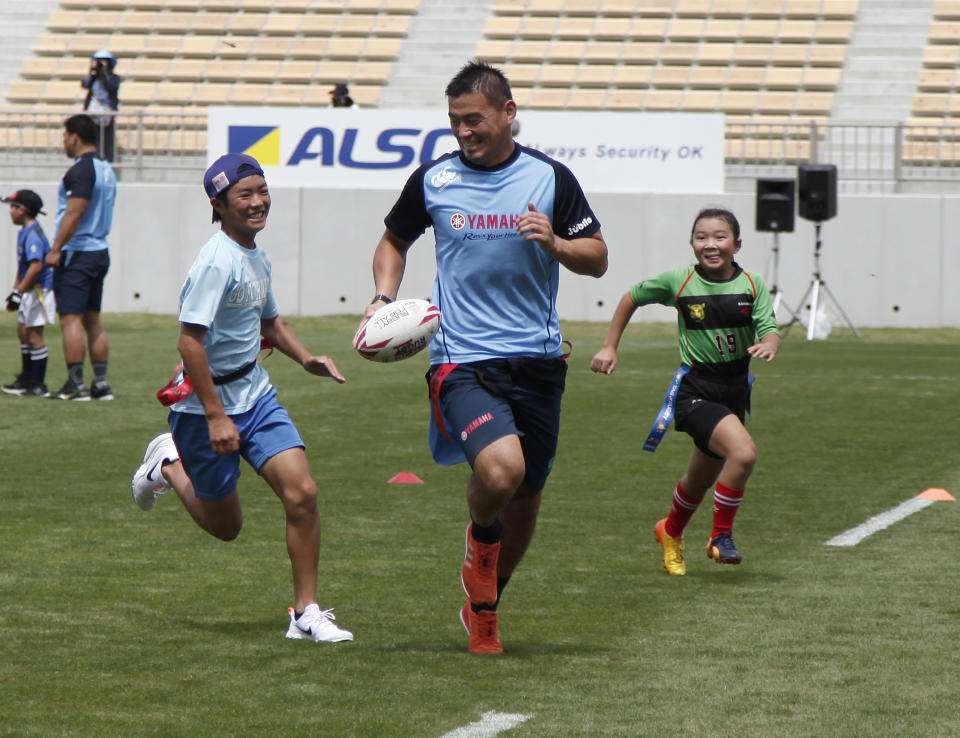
(226,305)
(32,295)
(725,318)
(505,218)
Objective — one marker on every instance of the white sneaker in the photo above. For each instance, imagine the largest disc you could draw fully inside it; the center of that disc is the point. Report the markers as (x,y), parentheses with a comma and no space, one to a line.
(148,483)
(316,625)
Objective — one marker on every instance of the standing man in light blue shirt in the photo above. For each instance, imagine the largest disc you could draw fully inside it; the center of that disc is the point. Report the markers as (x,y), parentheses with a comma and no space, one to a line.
(81,258)
(226,305)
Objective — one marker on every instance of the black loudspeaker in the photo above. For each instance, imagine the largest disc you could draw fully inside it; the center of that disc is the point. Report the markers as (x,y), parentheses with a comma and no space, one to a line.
(775,204)
(817,184)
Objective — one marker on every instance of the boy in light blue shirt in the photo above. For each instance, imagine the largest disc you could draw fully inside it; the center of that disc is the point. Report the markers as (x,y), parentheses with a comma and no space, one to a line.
(226,305)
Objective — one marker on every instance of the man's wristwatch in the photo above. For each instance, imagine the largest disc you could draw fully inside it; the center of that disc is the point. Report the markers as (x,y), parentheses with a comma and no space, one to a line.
(382,298)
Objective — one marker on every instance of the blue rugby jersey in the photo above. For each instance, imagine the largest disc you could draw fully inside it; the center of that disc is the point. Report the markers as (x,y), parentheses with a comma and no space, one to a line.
(496,292)
(92,179)
(228,290)
(32,245)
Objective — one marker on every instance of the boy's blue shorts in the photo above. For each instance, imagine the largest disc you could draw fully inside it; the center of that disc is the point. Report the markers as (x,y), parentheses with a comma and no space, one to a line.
(487,400)
(265,430)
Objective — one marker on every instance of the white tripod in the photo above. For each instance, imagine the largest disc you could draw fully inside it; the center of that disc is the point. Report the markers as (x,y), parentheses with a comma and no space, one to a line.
(775,292)
(813,292)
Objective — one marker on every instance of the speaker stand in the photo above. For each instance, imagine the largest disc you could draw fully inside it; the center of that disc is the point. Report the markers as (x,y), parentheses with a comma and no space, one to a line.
(814,289)
(776,294)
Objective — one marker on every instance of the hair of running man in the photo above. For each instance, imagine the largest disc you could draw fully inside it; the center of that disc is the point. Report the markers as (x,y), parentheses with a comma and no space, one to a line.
(478,76)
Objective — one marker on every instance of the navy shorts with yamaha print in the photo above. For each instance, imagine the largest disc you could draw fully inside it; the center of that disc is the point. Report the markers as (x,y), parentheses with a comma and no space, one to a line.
(703,403)
(487,400)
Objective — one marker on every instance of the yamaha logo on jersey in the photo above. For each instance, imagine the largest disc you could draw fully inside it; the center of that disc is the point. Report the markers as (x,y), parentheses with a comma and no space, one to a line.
(457,221)
(492,221)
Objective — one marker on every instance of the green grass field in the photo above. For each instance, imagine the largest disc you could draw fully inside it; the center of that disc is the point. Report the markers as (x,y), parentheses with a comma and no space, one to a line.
(116,622)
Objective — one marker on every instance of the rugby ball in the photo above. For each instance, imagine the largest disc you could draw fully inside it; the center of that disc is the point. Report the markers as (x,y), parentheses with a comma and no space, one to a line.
(397,330)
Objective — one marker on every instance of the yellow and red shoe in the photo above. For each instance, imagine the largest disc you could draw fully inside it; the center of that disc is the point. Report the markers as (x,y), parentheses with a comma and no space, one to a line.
(479,573)
(482,629)
(672,549)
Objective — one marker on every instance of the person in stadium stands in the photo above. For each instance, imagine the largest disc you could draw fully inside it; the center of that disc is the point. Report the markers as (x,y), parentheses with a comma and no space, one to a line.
(32,296)
(505,218)
(226,304)
(81,257)
(725,318)
(103,88)
(340,97)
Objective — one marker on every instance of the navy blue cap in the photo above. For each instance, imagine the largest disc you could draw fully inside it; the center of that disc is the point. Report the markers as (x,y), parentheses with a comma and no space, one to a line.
(226,172)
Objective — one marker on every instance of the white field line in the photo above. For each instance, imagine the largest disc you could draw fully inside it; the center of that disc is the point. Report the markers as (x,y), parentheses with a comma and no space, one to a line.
(489,725)
(878,522)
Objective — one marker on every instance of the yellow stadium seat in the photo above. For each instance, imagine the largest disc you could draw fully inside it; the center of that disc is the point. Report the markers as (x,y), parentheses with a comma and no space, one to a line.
(260,70)
(580,99)
(662,99)
(345,48)
(549,98)
(941,56)
(209,22)
(267,47)
(174,93)
(136,21)
(700,100)
(943,10)
(286,95)
(188,69)
(212,93)
(145,68)
(632,76)
(670,76)
(282,24)
(625,99)
(705,78)
(244,23)
(493,50)
(25,90)
(678,53)
(594,75)
(39,67)
(172,22)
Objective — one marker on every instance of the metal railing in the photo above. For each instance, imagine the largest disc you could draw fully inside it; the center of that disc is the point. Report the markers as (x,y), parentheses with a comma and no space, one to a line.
(154,146)
(146,143)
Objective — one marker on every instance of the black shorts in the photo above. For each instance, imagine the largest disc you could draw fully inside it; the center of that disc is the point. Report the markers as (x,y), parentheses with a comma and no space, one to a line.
(78,281)
(703,403)
(487,400)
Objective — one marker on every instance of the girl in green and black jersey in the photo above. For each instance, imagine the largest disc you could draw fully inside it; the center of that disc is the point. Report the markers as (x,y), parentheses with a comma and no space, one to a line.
(725,317)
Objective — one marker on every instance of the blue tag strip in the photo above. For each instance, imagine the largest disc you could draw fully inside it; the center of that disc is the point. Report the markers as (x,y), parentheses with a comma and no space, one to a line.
(665,415)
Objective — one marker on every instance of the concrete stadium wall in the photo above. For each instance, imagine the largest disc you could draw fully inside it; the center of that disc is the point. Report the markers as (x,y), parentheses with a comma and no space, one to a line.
(888,259)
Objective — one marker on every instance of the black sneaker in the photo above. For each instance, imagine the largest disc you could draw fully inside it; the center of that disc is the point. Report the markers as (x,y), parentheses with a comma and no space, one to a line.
(100,390)
(71,391)
(37,390)
(17,387)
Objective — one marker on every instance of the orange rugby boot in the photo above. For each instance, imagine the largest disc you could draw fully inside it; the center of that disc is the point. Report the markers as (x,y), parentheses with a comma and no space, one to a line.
(479,573)
(482,628)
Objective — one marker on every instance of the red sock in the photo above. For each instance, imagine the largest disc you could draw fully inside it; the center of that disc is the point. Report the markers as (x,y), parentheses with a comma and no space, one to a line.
(681,511)
(726,502)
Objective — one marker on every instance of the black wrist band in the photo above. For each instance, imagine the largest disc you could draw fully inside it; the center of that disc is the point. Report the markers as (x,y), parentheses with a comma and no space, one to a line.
(381,297)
